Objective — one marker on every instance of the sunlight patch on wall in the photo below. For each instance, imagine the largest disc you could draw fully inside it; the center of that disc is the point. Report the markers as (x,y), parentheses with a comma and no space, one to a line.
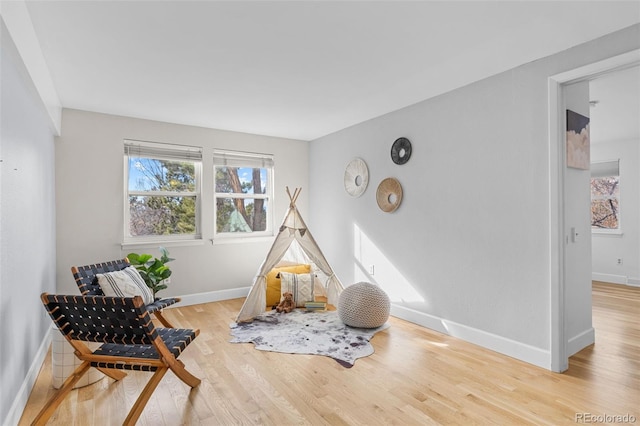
(370,264)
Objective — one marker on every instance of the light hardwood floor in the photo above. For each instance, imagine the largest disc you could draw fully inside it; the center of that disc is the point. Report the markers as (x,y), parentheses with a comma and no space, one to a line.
(416,376)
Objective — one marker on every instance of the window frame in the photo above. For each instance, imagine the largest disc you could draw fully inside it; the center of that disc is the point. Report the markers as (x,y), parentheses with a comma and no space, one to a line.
(241,159)
(608,169)
(162,151)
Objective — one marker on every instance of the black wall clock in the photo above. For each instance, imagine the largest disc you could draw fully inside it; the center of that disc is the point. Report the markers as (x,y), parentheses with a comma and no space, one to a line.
(401,151)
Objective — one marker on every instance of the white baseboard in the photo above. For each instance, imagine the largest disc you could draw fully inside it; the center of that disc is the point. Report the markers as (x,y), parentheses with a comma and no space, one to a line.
(518,350)
(609,278)
(634,282)
(20,402)
(212,296)
(616,279)
(581,341)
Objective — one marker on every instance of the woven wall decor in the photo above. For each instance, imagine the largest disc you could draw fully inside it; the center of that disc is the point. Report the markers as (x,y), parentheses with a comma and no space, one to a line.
(356,177)
(389,195)
(401,151)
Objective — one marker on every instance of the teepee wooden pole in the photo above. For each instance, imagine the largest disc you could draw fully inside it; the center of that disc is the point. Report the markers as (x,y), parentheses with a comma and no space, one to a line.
(294,197)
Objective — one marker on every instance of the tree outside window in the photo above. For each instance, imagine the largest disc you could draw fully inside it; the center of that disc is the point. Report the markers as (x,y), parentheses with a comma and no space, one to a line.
(605,196)
(605,202)
(242,194)
(162,191)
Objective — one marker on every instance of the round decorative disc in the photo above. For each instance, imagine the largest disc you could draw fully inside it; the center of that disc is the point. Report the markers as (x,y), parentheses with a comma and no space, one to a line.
(356,177)
(389,195)
(401,151)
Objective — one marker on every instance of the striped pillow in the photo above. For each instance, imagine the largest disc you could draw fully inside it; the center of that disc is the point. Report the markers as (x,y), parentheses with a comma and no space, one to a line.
(300,285)
(125,283)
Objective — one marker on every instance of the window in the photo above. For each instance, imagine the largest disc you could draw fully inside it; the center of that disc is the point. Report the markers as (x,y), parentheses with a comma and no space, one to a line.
(243,194)
(162,196)
(605,196)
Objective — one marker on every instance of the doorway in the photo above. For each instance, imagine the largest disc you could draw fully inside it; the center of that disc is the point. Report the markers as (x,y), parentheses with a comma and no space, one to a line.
(615,156)
(564,263)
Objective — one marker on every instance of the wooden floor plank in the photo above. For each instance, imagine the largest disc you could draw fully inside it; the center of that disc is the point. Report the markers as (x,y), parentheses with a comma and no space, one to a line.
(416,376)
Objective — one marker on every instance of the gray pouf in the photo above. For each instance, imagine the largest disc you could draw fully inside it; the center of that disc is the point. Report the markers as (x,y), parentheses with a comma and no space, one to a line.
(364,305)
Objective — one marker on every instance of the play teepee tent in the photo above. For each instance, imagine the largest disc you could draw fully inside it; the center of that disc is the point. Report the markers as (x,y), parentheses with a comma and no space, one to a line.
(293,235)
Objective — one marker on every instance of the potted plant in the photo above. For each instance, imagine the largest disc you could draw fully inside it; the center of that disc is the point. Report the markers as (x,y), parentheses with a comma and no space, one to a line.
(153,270)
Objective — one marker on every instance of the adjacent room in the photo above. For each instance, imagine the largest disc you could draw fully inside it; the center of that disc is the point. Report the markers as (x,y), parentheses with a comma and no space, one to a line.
(450,190)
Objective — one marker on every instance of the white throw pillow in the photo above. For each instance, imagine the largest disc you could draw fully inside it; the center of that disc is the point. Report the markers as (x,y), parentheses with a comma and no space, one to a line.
(300,285)
(125,283)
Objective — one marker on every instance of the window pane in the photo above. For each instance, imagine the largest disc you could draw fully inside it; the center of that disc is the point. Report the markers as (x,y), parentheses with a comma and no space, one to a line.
(241,215)
(150,174)
(162,215)
(241,180)
(605,187)
(604,214)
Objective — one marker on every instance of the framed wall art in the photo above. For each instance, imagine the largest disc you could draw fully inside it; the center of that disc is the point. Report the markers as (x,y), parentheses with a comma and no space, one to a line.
(578,144)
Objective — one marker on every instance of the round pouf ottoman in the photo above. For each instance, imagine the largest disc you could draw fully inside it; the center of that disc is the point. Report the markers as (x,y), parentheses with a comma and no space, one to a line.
(364,305)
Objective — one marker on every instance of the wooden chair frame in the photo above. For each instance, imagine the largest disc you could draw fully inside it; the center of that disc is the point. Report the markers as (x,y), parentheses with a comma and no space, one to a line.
(87,281)
(130,342)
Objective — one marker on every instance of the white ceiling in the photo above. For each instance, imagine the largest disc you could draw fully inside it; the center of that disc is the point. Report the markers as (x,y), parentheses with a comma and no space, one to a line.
(295,69)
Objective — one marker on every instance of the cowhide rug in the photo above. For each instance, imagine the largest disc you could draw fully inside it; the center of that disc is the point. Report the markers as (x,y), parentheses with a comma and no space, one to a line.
(303,332)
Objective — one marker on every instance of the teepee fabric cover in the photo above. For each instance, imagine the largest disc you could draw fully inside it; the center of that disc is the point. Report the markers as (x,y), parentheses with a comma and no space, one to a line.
(293,230)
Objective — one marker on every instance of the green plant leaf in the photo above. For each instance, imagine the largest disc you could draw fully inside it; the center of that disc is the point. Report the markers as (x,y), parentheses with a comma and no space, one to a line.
(138,259)
(165,255)
(152,270)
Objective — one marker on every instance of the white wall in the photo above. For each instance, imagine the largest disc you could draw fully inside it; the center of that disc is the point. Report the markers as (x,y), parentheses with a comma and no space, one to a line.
(467,252)
(89,188)
(607,248)
(27,231)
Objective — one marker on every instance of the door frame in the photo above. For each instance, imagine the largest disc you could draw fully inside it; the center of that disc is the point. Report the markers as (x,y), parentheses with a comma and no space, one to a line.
(557,227)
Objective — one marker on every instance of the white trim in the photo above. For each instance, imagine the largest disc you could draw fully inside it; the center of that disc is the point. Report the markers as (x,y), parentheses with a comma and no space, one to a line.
(633,282)
(581,341)
(18,21)
(616,279)
(559,358)
(163,243)
(518,350)
(609,278)
(211,296)
(20,401)
(606,232)
(243,239)
(588,72)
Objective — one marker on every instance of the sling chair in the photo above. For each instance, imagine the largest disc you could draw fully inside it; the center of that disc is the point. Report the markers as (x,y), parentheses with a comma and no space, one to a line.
(130,342)
(87,282)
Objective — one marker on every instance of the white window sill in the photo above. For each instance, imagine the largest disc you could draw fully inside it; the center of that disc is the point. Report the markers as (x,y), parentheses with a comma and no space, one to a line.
(161,243)
(237,240)
(607,232)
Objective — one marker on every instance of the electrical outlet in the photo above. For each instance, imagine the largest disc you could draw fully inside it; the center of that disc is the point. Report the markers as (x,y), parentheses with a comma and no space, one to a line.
(372,269)
(619,261)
